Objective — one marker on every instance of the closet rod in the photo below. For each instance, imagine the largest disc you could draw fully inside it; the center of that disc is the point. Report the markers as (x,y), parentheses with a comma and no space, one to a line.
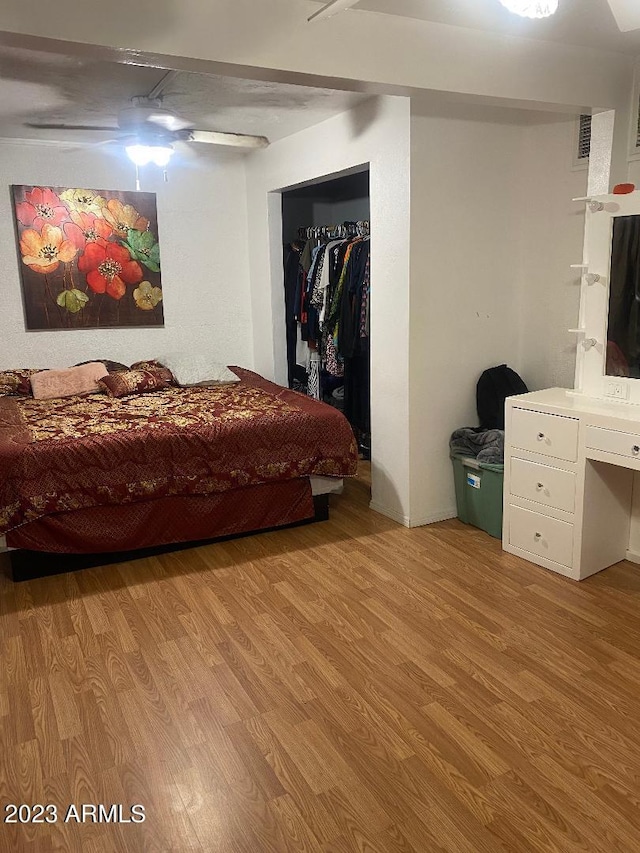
(362,228)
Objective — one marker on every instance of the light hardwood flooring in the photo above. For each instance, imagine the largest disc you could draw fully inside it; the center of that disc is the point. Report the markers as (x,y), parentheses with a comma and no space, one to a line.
(349,686)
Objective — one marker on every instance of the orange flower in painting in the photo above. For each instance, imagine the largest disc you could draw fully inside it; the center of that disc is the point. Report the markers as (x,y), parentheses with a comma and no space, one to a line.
(43,251)
(109,268)
(124,218)
(86,228)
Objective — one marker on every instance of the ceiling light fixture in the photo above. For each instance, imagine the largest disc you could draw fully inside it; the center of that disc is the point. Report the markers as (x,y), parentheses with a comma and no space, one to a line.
(143,154)
(531,8)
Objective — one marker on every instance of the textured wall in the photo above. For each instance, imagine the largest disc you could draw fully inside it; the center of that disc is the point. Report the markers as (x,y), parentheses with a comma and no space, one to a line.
(203,239)
(465,173)
(551,239)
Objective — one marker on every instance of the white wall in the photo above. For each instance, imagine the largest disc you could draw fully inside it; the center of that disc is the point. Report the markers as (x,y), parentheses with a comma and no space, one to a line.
(300,212)
(465,174)
(202,219)
(347,210)
(551,239)
(377,133)
(493,233)
(633,174)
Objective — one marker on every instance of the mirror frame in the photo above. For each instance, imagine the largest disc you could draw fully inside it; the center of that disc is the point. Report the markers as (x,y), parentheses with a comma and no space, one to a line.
(594,301)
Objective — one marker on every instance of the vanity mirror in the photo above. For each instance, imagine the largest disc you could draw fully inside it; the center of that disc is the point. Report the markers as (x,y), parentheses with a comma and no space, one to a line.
(623,315)
(608,359)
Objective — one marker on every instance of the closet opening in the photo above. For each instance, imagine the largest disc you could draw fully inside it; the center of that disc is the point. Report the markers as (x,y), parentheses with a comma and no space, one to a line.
(327,282)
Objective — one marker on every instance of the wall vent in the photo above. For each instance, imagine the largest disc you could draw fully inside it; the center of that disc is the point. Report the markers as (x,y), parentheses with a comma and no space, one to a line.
(584,138)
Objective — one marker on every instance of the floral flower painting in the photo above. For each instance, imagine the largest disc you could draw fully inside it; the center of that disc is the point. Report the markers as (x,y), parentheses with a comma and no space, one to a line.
(88,258)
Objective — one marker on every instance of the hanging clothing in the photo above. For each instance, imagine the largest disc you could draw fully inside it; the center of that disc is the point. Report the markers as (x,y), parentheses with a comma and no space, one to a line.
(332,295)
(292,274)
(348,338)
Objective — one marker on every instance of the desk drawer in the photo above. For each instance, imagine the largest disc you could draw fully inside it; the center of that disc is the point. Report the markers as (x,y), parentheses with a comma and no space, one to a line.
(543,484)
(550,435)
(541,535)
(611,441)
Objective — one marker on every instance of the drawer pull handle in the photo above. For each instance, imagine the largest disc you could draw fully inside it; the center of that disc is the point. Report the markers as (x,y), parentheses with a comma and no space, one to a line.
(538,537)
(541,436)
(635,449)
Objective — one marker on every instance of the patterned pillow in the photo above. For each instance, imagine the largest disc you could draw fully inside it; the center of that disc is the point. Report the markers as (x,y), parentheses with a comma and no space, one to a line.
(126,384)
(156,366)
(16,383)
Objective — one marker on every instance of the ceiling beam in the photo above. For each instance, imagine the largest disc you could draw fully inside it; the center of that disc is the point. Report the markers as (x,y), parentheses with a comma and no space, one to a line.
(333,8)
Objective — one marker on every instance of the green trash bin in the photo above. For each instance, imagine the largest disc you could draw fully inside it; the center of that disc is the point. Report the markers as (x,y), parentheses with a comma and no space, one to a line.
(479,493)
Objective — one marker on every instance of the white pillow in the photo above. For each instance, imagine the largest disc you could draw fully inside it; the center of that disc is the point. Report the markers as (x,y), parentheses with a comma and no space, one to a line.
(191,369)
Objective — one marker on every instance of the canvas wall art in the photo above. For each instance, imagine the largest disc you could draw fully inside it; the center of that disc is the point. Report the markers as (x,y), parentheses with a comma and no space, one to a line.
(88,258)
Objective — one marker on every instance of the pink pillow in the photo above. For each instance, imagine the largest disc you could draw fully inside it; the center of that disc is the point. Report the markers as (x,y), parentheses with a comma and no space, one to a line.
(68,383)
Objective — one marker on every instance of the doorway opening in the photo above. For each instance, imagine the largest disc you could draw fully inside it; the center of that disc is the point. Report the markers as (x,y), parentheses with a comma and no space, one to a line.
(326,235)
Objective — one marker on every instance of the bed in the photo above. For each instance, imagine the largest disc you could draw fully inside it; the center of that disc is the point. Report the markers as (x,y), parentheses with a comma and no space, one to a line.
(95,475)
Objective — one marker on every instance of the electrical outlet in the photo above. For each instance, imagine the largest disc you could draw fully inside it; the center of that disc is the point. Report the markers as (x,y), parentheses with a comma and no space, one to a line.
(617,388)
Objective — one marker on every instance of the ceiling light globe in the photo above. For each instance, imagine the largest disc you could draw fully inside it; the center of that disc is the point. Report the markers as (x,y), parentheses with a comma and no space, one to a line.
(139,154)
(161,155)
(531,8)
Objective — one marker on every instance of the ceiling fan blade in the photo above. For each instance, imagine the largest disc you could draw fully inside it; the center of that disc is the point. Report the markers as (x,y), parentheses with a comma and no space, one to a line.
(45,126)
(626,13)
(330,9)
(79,146)
(237,140)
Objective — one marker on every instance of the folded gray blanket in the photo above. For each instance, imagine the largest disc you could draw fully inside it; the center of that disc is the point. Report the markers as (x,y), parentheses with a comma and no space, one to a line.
(482,445)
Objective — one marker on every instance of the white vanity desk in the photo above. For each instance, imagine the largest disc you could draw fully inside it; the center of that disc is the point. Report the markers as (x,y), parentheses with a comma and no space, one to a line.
(571,456)
(568,479)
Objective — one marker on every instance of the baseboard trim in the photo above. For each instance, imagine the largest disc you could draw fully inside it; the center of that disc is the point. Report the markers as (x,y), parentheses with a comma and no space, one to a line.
(390,513)
(444,515)
(633,557)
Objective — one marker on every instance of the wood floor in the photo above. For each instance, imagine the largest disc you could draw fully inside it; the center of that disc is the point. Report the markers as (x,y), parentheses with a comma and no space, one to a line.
(350,686)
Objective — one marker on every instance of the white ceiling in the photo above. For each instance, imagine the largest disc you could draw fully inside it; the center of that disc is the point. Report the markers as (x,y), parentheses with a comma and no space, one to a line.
(37,86)
(80,91)
(589,23)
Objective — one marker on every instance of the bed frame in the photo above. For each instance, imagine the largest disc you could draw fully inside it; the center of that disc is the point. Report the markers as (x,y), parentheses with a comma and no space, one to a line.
(28,565)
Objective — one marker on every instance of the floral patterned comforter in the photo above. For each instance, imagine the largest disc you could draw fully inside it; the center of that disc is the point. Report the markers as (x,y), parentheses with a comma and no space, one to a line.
(60,455)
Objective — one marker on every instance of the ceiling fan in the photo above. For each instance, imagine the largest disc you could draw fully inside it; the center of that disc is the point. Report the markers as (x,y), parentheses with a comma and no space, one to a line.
(625,12)
(149,131)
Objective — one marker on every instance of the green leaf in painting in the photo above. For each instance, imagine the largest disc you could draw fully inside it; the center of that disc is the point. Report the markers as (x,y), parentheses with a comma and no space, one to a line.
(143,247)
(72,300)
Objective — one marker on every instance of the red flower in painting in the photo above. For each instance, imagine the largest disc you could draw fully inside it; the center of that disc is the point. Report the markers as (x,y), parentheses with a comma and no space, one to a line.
(86,228)
(109,268)
(42,207)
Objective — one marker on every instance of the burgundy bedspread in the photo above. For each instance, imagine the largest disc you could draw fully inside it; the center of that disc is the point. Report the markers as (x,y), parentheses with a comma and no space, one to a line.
(61,455)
